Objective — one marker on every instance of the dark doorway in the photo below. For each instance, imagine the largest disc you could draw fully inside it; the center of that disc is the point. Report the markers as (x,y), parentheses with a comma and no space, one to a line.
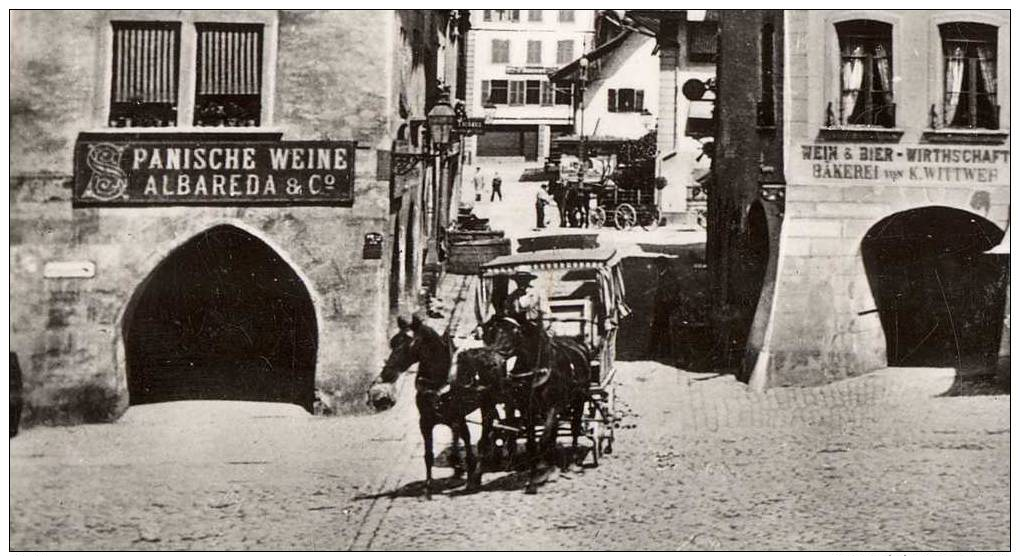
(939,297)
(223,317)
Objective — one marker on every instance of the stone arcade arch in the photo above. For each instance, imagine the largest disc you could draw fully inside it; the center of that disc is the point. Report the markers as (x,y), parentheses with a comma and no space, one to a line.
(223,316)
(939,297)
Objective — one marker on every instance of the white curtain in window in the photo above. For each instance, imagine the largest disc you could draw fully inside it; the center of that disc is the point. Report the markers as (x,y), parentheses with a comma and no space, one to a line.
(986,61)
(954,82)
(853,76)
(883,63)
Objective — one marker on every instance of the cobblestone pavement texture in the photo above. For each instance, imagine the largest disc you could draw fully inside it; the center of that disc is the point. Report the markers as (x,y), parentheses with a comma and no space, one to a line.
(880,462)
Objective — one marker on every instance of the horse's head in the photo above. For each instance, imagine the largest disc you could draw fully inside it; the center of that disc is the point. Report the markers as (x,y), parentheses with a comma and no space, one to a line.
(404,352)
(502,334)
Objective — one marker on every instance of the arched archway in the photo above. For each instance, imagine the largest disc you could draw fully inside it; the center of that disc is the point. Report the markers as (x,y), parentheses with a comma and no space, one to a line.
(223,316)
(939,298)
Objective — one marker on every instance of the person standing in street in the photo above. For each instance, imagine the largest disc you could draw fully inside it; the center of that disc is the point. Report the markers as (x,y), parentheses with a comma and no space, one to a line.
(542,198)
(497,188)
(479,181)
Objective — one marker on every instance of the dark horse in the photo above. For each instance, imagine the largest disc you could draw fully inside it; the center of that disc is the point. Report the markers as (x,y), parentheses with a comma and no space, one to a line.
(439,399)
(549,382)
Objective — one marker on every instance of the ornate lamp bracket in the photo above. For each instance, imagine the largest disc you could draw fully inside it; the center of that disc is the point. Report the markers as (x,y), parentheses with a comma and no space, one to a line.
(405,162)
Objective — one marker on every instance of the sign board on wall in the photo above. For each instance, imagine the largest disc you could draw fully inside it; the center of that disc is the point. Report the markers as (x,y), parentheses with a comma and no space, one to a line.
(900,164)
(198,172)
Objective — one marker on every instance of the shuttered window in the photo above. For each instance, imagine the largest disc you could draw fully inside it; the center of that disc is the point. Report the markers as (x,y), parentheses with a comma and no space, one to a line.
(564,52)
(500,51)
(534,15)
(626,100)
(145,76)
(534,52)
(228,75)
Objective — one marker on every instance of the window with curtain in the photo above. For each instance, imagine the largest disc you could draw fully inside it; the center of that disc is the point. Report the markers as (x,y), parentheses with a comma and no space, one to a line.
(145,76)
(546,94)
(498,91)
(516,93)
(566,16)
(502,15)
(534,52)
(969,52)
(865,73)
(500,51)
(228,74)
(534,15)
(564,52)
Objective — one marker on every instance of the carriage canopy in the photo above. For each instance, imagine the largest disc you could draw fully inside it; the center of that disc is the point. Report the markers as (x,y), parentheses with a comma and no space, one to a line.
(564,274)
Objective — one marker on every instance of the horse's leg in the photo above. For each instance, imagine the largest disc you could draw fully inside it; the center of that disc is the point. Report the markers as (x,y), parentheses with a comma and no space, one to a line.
(487,441)
(426,435)
(548,444)
(529,430)
(455,462)
(474,474)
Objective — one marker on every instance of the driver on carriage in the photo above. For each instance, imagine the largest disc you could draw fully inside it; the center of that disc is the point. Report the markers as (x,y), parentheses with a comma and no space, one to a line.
(527,304)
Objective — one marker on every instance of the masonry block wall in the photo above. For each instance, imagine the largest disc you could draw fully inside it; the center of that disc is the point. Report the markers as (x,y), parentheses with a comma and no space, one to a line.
(824,325)
(68,332)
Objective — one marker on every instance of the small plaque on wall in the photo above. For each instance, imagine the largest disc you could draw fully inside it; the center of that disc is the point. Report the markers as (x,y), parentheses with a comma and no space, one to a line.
(69,269)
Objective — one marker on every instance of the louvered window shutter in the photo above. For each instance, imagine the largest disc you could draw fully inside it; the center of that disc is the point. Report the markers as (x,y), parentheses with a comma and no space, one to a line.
(639,100)
(486,91)
(145,79)
(228,75)
(612,100)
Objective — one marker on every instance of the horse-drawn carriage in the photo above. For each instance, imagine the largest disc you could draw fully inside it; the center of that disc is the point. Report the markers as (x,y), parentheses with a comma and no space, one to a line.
(542,378)
(586,300)
(614,185)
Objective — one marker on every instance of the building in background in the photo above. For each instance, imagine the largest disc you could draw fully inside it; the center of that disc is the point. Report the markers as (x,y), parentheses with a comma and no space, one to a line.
(509,55)
(220,204)
(687,44)
(620,81)
(860,243)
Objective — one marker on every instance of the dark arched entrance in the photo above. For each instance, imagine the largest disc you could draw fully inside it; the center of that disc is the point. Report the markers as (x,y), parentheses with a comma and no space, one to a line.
(222,317)
(939,297)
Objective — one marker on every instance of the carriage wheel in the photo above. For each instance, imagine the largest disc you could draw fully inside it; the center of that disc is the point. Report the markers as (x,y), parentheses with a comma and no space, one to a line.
(702,219)
(651,219)
(626,216)
(597,217)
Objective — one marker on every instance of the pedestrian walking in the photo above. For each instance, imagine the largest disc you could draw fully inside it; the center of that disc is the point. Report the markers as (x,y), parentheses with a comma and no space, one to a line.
(497,188)
(542,198)
(479,181)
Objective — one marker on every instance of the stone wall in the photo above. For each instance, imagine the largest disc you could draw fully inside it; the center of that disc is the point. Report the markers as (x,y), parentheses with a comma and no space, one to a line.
(824,325)
(68,332)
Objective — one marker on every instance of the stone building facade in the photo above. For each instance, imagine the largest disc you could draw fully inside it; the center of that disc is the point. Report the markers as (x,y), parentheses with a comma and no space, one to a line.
(509,53)
(868,231)
(282,299)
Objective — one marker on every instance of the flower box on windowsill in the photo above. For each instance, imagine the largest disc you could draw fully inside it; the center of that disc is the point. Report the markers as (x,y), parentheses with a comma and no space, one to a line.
(212,134)
(859,134)
(963,136)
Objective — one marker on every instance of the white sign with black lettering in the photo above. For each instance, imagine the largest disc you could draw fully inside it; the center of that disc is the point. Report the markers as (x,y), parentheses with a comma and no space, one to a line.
(921,164)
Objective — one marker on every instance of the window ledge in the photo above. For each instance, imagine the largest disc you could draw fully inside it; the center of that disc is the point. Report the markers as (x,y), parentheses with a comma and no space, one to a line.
(860,134)
(965,136)
(245,134)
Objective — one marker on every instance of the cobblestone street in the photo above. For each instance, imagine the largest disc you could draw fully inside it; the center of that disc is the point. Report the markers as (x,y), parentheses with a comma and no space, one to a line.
(886,461)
